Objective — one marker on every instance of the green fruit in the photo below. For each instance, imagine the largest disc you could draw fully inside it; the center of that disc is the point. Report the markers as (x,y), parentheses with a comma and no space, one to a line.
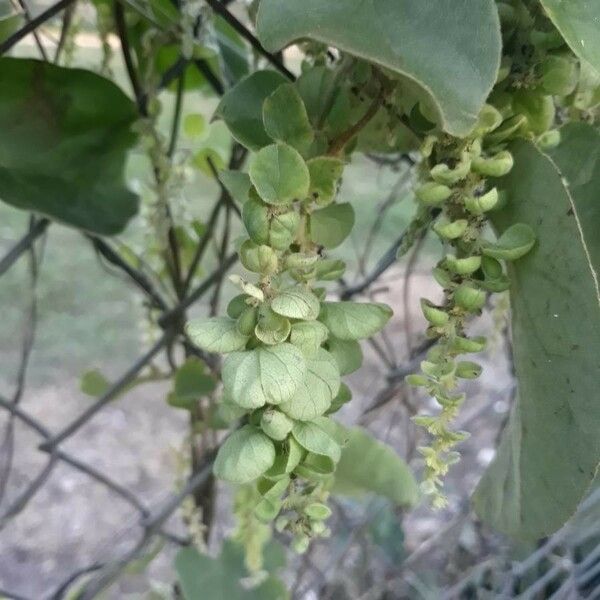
(497,166)
(510,128)
(463,266)
(468,370)
(436,316)
(462,344)
(451,230)
(477,205)
(469,298)
(442,173)
(433,194)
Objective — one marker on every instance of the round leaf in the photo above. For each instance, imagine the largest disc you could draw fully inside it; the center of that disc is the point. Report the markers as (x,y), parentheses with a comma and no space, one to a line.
(263,375)
(353,320)
(347,354)
(279,174)
(285,117)
(244,456)
(331,225)
(314,439)
(308,336)
(317,390)
(241,107)
(296,303)
(218,334)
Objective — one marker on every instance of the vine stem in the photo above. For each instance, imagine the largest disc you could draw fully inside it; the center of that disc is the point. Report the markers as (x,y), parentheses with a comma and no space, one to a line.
(338,144)
(222,11)
(32,25)
(23,244)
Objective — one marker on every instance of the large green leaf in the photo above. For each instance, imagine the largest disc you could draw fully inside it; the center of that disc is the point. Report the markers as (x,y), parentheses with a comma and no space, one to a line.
(201,576)
(550,449)
(449,48)
(354,320)
(65,135)
(578,159)
(368,465)
(579,23)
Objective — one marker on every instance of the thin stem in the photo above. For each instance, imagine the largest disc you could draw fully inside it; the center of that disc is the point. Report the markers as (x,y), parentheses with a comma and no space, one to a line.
(32,25)
(36,37)
(140,280)
(119,15)
(221,10)
(23,244)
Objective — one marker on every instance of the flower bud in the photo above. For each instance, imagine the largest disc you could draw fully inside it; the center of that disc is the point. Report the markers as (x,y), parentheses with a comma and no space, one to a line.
(300,260)
(451,230)
(436,316)
(318,511)
(463,266)
(416,380)
(433,194)
(469,298)
(511,127)
(477,205)
(497,166)
(558,76)
(468,345)
(549,139)
(468,370)
(442,173)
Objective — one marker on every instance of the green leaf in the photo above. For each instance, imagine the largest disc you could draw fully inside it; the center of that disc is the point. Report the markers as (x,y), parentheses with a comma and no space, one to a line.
(354,320)
(237,184)
(578,159)
(8,25)
(244,456)
(285,118)
(94,383)
(192,380)
(368,465)
(325,172)
(514,243)
(241,107)
(201,576)
(65,137)
(316,440)
(308,336)
(577,21)
(316,86)
(218,334)
(550,449)
(279,174)
(316,391)
(450,49)
(296,303)
(331,225)
(347,353)
(263,375)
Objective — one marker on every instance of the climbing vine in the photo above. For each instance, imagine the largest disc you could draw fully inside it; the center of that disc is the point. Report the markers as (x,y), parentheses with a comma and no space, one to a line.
(493,105)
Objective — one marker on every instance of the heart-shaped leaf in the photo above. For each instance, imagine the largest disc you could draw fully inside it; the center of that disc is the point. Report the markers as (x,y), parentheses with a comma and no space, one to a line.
(450,49)
(549,453)
(65,137)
